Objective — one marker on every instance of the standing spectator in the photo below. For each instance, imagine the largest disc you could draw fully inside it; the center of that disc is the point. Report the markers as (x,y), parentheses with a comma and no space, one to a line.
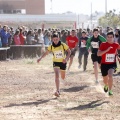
(116,37)
(4,36)
(22,37)
(40,37)
(17,53)
(102,33)
(17,38)
(31,52)
(63,38)
(47,38)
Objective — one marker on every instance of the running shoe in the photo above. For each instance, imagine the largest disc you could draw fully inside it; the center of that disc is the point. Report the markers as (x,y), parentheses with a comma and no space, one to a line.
(97,82)
(79,66)
(57,94)
(110,93)
(106,88)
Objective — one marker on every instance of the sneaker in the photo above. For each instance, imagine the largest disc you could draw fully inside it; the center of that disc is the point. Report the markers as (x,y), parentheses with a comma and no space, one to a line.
(97,82)
(79,66)
(57,94)
(105,88)
(110,93)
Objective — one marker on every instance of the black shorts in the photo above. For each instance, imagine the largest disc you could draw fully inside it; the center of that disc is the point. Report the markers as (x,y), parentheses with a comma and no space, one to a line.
(73,52)
(106,67)
(61,65)
(95,58)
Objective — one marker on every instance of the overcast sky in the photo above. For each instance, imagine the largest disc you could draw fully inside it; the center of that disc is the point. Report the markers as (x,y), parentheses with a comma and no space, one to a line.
(80,6)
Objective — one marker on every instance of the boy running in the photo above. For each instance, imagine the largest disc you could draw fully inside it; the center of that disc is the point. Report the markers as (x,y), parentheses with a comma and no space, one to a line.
(59,59)
(72,42)
(94,43)
(108,51)
(83,50)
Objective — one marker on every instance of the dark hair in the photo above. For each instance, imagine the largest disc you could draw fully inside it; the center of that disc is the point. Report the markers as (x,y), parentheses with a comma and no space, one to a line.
(55,35)
(84,31)
(73,30)
(17,32)
(110,33)
(95,29)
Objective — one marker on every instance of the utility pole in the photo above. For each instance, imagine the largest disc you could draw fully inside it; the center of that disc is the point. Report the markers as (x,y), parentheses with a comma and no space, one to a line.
(105,6)
(91,15)
(51,7)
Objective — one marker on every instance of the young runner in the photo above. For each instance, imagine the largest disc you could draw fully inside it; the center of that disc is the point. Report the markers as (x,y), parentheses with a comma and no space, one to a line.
(108,52)
(59,59)
(83,50)
(94,43)
(72,42)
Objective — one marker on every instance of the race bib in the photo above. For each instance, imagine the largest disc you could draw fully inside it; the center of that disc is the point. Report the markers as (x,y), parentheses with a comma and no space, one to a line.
(58,54)
(95,44)
(83,44)
(110,57)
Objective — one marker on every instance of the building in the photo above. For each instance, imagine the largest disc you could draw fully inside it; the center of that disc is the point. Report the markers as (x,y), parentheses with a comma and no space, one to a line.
(34,7)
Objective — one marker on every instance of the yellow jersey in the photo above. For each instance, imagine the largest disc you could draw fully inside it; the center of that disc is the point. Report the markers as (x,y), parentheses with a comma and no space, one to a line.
(58,52)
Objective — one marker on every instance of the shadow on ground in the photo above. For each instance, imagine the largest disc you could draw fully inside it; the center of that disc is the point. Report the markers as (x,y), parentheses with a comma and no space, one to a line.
(90,105)
(75,89)
(30,103)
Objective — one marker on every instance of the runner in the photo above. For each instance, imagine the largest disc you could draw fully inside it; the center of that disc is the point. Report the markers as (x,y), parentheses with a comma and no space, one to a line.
(72,42)
(59,59)
(94,43)
(83,50)
(108,52)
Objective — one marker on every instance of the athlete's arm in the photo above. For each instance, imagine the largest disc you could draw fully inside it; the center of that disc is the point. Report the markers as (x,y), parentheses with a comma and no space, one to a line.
(88,44)
(102,39)
(68,56)
(44,54)
(100,53)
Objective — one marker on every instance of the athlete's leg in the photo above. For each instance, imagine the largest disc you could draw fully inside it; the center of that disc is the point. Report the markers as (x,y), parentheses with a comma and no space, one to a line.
(110,75)
(105,80)
(71,61)
(85,60)
(80,58)
(57,83)
(63,72)
(96,70)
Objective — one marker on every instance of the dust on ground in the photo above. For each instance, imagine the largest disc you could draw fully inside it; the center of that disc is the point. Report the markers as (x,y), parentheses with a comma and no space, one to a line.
(27,93)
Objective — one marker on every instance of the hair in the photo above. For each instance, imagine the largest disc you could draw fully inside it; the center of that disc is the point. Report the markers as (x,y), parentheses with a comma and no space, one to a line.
(95,29)
(84,31)
(110,33)
(17,32)
(73,30)
(55,35)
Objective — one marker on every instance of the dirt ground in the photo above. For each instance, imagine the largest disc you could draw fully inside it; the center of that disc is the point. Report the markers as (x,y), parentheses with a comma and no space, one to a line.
(27,93)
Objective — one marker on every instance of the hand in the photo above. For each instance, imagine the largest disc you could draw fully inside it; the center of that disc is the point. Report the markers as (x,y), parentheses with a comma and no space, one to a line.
(38,60)
(64,60)
(109,48)
(89,50)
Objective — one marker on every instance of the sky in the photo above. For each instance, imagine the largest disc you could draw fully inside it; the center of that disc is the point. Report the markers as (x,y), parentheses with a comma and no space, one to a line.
(80,6)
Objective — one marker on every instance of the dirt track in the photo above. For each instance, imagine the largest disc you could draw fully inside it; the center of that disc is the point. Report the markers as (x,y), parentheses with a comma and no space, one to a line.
(26,93)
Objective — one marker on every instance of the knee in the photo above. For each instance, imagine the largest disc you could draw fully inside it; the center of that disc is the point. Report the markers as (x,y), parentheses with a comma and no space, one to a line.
(110,76)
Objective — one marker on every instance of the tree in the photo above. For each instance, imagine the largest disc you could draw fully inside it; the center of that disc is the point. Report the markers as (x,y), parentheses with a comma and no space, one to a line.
(110,19)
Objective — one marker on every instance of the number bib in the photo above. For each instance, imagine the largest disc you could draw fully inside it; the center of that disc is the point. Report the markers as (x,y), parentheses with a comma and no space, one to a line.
(58,54)
(82,44)
(110,57)
(95,44)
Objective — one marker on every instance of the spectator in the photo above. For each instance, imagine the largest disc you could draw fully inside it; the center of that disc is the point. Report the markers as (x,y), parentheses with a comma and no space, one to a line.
(22,37)
(17,38)
(4,36)
(47,38)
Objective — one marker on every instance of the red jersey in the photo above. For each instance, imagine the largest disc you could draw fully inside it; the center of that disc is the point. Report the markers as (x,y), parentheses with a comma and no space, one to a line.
(72,41)
(22,39)
(110,56)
